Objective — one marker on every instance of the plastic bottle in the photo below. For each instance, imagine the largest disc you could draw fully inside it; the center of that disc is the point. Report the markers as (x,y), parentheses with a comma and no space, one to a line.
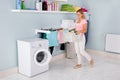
(18,4)
(33,7)
(22,5)
(44,5)
(39,5)
(49,7)
(53,6)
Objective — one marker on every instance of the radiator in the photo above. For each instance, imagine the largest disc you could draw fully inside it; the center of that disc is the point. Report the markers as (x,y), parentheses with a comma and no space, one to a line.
(112,43)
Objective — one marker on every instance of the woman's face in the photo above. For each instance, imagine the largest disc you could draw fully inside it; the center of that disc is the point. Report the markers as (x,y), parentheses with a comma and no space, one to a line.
(79,15)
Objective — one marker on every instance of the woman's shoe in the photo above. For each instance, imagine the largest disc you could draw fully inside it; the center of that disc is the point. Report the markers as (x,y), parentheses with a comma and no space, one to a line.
(77,66)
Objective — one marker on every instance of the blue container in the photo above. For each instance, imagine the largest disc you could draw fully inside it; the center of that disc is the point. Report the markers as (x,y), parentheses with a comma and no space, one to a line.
(18,4)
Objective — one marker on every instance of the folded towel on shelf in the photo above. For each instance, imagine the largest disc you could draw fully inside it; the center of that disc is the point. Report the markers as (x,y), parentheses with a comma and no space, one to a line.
(67,7)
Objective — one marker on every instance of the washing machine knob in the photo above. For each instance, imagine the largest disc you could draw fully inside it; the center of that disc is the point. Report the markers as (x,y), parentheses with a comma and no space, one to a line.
(40,45)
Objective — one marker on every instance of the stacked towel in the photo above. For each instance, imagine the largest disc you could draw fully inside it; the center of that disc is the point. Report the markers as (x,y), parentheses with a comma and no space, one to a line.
(67,7)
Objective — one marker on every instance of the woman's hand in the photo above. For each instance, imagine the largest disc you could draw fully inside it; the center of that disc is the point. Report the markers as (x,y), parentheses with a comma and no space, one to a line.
(78,32)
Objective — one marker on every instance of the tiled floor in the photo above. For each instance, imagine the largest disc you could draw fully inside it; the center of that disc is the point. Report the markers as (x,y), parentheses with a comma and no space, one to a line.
(104,69)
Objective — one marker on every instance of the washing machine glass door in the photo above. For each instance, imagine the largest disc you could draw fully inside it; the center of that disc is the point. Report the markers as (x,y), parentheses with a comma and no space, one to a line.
(42,57)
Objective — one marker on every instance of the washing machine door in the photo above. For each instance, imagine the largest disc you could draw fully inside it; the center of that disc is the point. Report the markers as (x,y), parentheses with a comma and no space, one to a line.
(42,57)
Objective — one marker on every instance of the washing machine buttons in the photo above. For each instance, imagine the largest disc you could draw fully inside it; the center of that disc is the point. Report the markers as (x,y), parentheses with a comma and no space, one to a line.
(39,45)
(36,45)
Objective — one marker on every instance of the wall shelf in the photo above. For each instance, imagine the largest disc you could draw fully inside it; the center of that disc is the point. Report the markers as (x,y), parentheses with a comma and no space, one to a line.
(35,11)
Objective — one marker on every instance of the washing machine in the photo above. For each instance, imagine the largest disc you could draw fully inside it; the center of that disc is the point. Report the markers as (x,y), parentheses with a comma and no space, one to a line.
(33,56)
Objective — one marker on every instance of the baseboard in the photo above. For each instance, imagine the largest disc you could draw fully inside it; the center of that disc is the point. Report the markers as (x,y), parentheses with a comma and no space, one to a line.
(105,54)
(8,72)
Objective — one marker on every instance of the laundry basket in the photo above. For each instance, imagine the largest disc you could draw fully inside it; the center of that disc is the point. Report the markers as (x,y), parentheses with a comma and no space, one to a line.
(70,50)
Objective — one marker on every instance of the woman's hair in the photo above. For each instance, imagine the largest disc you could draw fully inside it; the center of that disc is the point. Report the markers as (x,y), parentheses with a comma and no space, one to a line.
(80,11)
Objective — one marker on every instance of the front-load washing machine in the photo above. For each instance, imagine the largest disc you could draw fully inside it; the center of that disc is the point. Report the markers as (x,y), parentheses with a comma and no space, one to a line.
(33,56)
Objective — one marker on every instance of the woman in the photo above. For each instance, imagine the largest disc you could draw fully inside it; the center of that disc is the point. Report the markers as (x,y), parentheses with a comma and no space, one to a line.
(80,29)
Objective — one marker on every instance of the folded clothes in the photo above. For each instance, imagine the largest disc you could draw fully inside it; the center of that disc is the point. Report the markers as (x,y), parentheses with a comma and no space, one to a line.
(84,10)
(67,7)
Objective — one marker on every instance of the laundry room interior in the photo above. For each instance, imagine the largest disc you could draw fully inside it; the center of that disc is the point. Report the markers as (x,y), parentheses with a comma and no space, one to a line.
(37,40)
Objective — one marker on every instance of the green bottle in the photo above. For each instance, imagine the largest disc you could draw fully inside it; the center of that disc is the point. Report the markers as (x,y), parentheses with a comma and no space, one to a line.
(23,5)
